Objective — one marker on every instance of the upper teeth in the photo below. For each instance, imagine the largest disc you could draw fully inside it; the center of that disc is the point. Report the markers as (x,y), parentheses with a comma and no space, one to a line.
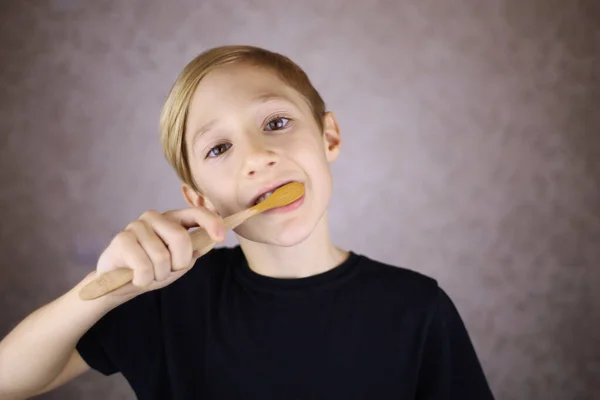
(263,197)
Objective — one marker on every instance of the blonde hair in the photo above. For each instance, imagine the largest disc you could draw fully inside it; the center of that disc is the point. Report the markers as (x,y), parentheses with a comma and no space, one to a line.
(175,111)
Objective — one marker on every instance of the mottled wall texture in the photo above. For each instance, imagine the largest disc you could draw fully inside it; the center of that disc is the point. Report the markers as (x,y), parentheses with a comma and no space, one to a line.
(471,153)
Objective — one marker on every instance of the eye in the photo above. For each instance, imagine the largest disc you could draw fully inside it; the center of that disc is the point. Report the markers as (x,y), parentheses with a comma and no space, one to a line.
(218,150)
(277,123)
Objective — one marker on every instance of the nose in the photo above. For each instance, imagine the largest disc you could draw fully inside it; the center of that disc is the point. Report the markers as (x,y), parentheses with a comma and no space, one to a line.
(258,158)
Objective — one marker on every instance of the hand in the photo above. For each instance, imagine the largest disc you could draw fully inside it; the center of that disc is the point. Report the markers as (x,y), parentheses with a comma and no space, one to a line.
(158,248)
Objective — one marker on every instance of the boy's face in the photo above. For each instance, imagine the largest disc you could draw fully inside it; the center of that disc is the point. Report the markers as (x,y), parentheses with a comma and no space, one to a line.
(248,131)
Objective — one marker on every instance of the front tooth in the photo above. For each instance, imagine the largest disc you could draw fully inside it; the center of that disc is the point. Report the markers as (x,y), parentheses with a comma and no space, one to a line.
(263,197)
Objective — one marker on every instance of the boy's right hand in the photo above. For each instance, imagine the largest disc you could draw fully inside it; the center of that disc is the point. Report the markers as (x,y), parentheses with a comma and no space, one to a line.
(158,248)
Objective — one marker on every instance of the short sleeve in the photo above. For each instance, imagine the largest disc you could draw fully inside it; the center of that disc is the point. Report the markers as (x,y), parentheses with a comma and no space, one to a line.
(125,337)
(449,367)
(90,348)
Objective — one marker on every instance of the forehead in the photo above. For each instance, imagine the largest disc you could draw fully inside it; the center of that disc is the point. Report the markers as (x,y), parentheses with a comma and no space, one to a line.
(238,89)
(239,83)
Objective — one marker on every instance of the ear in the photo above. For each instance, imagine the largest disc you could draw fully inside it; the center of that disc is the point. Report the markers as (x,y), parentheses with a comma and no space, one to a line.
(195,199)
(331,137)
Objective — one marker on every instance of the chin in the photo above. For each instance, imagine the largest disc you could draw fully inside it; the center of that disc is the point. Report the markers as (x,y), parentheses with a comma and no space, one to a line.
(288,237)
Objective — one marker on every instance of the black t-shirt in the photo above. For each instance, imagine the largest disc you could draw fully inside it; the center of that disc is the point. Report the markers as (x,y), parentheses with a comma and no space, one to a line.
(363,330)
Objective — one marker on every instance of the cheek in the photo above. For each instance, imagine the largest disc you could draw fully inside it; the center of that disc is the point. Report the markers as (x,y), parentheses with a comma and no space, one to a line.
(223,199)
(306,147)
(312,160)
(312,155)
(218,187)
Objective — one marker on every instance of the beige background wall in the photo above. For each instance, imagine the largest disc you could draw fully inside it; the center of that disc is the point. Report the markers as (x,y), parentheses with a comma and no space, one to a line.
(472,153)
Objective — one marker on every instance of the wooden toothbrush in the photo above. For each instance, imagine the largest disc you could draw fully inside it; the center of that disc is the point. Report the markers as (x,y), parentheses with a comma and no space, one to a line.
(201,241)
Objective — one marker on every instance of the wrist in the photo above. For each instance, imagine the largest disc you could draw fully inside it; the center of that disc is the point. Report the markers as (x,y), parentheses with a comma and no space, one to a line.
(101,305)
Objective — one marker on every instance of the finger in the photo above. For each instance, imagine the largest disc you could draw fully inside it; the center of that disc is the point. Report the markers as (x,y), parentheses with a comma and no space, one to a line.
(133,255)
(154,247)
(175,236)
(200,216)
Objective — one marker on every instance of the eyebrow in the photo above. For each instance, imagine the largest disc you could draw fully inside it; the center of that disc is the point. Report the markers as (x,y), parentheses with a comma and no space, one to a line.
(203,129)
(266,97)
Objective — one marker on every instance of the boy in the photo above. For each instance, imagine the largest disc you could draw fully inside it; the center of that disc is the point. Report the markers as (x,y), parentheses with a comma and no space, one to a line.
(285,315)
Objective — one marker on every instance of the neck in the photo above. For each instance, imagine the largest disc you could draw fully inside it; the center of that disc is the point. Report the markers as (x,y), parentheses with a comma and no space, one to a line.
(315,255)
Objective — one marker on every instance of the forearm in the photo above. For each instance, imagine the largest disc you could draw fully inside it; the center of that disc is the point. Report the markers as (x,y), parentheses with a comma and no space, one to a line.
(37,349)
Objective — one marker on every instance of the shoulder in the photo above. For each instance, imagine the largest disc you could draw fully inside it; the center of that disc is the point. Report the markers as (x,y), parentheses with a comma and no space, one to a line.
(396,277)
(399,284)
(410,291)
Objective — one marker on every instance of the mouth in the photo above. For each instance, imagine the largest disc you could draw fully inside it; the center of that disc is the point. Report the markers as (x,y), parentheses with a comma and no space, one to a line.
(266,193)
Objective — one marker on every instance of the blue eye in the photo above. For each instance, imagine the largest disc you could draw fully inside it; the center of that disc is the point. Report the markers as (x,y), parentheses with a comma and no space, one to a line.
(218,150)
(277,124)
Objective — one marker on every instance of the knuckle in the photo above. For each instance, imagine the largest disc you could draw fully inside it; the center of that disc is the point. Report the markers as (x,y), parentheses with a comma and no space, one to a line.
(168,214)
(149,215)
(134,226)
(123,238)
(162,258)
(143,276)
(181,238)
(161,272)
